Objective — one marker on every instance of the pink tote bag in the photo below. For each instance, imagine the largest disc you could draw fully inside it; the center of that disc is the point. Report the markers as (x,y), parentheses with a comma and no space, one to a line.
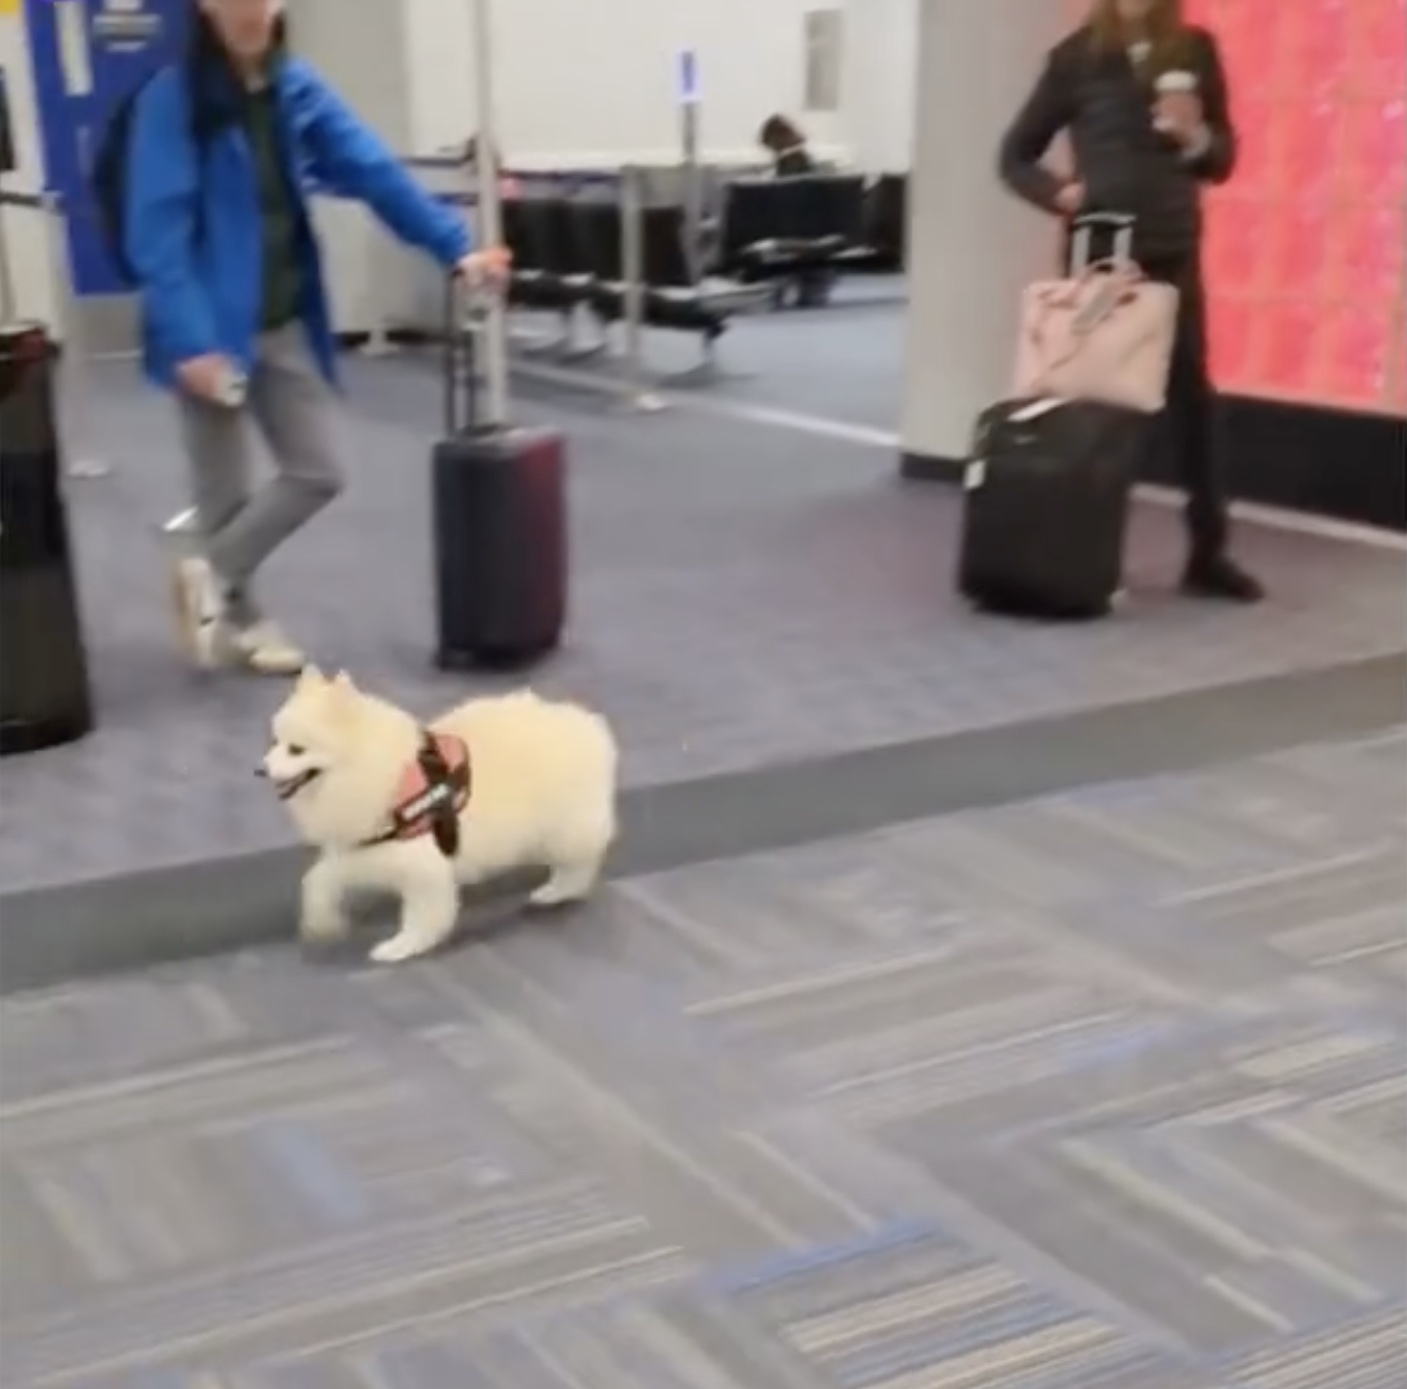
(1104,334)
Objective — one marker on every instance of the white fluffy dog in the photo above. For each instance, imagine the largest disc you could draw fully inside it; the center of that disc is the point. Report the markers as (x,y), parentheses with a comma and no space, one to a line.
(392,805)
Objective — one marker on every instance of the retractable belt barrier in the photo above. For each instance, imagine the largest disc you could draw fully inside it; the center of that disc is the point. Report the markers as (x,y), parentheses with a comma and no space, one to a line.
(634,385)
(633,259)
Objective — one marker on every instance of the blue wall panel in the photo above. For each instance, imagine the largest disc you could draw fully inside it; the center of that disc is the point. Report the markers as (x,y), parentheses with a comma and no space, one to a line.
(87,56)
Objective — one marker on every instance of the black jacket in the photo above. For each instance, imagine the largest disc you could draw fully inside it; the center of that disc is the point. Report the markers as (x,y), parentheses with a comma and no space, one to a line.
(1125,164)
(792,162)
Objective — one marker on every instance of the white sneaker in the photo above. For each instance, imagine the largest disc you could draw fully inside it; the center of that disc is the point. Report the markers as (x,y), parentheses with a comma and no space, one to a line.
(200,611)
(264,648)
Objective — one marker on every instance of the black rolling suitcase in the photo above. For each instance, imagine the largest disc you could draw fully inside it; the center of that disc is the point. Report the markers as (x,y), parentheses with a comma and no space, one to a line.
(498,493)
(1047,497)
(1047,488)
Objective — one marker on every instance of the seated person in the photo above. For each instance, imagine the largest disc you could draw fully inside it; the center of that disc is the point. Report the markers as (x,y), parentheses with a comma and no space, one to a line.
(787,146)
(790,159)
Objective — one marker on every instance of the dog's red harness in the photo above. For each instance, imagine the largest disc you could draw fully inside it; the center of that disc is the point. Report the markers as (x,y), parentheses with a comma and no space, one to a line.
(432,793)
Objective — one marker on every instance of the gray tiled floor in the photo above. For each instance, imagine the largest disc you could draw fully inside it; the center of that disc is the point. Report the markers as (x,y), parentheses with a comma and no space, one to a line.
(742,596)
(1105,1091)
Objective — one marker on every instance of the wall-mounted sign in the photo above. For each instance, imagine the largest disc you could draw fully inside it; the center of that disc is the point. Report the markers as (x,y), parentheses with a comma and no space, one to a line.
(126,24)
(688,77)
(87,56)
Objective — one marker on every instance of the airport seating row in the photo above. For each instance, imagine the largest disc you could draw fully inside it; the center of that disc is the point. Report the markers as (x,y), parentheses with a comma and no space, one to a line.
(570,252)
(569,248)
(770,227)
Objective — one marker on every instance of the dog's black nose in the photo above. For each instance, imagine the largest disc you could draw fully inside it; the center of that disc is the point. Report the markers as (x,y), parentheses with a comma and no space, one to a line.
(261,771)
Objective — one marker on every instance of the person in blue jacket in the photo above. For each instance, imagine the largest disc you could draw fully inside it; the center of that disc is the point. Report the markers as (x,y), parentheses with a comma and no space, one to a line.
(217,231)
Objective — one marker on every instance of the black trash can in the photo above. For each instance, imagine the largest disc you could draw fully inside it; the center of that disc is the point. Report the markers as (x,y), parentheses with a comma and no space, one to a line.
(44,693)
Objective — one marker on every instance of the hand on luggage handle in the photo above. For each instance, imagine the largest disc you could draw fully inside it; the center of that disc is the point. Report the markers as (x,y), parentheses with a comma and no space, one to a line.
(487,269)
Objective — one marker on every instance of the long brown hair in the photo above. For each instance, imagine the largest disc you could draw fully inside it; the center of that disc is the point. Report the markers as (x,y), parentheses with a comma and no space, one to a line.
(1165,30)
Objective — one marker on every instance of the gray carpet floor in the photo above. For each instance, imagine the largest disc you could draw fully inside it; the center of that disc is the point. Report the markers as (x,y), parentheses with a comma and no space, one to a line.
(238,901)
(742,597)
(1103,1091)
(843,362)
(1100,1089)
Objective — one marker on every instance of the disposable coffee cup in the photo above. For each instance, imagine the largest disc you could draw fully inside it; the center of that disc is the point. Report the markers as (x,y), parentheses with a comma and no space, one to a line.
(1178,80)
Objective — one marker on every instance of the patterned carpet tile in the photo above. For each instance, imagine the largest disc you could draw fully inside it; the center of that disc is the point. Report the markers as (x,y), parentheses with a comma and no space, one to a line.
(1367,1353)
(1105,1092)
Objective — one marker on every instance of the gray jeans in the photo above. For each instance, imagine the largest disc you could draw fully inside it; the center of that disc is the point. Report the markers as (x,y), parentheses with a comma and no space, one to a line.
(295,410)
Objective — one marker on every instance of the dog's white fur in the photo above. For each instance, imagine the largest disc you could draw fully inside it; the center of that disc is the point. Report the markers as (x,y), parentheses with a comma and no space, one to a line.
(543,795)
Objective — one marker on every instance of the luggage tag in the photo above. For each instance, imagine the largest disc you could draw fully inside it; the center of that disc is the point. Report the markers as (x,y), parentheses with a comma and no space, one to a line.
(1037,408)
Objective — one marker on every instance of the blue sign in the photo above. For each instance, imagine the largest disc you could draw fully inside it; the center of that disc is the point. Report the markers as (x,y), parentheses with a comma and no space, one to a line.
(688,77)
(88,55)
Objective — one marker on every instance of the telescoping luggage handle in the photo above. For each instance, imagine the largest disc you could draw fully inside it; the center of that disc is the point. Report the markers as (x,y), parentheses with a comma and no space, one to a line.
(463,323)
(482,322)
(1120,223)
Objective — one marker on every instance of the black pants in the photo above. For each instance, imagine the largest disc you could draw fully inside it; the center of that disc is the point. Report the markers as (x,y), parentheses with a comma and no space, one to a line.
(1192,423)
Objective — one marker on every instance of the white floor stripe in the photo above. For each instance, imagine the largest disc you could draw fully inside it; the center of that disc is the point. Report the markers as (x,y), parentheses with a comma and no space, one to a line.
(790,419)
(1252,513)
(1300,522)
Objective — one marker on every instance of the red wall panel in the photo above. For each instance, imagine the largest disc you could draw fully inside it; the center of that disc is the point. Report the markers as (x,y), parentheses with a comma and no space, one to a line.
(1305,258)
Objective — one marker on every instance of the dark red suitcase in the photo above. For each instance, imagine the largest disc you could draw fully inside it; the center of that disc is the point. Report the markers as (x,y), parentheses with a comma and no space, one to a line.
(498,494)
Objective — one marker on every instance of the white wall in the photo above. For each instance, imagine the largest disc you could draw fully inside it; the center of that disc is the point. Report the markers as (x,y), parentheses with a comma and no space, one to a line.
(578,83)
(593,81)
(972,245)
(362,47)
(25,234)
(879,82)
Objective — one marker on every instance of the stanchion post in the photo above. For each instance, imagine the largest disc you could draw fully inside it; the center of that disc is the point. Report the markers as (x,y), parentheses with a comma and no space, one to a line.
(632,234)
(74,400)
(689,114)
(494,337)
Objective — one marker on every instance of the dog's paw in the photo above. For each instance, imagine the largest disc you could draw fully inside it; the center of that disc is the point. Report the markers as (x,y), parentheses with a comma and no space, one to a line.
(319,927)
(400,947)
(558,894)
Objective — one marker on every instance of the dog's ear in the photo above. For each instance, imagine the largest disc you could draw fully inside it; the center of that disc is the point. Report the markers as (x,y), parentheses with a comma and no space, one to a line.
(310,677)
(343,683)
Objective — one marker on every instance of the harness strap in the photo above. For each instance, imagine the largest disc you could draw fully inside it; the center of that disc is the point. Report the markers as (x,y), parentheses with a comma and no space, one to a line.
(435,794)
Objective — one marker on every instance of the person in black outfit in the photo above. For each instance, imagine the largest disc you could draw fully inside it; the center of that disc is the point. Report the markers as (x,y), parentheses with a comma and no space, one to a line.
(1145,153)
(787,146)
(791,159)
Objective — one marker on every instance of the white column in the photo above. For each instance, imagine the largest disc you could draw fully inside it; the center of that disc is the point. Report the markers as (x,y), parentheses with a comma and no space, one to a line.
(972,245)
(27,239)
(361,47)
(879,82)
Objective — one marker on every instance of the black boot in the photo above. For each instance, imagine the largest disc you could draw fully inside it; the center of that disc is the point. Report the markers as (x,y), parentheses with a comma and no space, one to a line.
(1216,576)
